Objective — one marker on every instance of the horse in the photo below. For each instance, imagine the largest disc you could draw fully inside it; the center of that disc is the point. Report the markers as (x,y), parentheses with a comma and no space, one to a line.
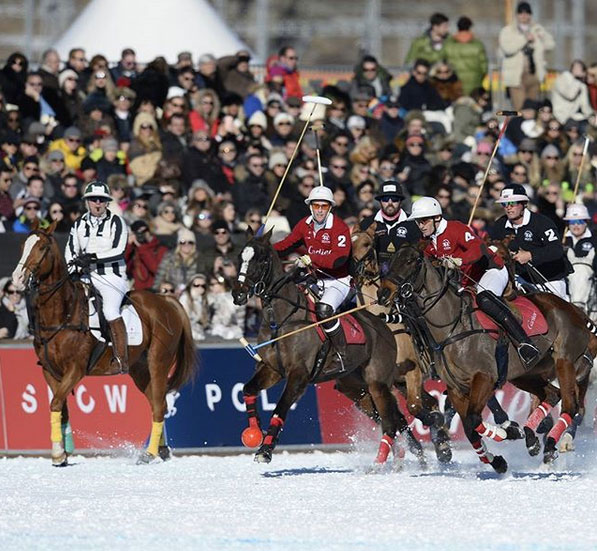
(469,362)
(581,283)
(64,344)
(286,308)
(411,368)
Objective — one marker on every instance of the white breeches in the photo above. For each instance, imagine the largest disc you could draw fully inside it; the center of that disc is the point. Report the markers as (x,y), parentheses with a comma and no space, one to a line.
(557,287)
(112,288)
(494,279)
(334,291)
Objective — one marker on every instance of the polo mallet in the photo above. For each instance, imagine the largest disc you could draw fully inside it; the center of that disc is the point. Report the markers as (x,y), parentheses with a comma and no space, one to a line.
(252,350)
(315,100)
(508,115)
(315,131)
(580,167)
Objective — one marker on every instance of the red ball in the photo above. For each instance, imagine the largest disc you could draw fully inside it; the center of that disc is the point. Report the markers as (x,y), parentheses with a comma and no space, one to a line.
(252,437)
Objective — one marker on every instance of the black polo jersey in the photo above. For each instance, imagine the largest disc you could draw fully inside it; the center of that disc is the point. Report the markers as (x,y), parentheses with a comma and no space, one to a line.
(582,249)
(389,236)
(539,236)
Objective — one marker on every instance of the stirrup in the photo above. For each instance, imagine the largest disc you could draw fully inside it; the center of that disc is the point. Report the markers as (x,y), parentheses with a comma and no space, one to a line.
(121,369)
(528,352)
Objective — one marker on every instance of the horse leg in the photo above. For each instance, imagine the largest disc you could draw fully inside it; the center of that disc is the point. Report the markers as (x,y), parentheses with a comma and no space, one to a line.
(264,377)
(567,440)
(481,389)
(567,379)
(439,430)
(512,428)
(296,384)
(60,390)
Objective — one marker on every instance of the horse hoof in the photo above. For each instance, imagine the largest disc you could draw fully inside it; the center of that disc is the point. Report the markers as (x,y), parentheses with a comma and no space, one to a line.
(264,454)
(146,458)
(165,453)
(567,443)
(513,431)
(546,425)
(443,452)
(532,442)
(61,461)
(499,464)
(437,419)
(550,453)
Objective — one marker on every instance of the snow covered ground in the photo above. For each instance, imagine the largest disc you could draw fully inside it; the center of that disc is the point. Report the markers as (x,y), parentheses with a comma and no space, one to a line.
(299,502)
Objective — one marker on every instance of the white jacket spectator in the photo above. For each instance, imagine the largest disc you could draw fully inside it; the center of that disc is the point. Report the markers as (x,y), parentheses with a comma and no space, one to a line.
(570,94)
(226,320)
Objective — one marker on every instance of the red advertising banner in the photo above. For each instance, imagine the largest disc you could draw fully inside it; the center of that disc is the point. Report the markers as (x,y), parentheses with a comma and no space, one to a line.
(105,412)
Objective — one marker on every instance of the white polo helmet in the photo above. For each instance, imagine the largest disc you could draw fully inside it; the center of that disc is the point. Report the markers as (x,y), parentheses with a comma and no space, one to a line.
(425,207)
(577,212)
(321,193)
(96,189)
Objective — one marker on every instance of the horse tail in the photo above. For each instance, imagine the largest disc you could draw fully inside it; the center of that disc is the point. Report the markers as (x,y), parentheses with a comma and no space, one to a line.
(186,361)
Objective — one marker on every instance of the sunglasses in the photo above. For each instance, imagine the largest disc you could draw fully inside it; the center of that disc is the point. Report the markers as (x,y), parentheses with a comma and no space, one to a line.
(308,186)
(228,150)
(169,211)
(291,57)
(552,193)
(525,151)
(70,185)
(576,222)
(179,105)
(421,73)
(341,109)
(554,128)
(519,173)
(202,139)
(221,232)
(33,168)
(284,123)
(321,206)
(200,285)
(577,154)
(98,200)
(341,144)
(339,167)
(56,211)
(255,221)
(551,158)
(204,217)
(254,165)
(388,198)
(512,203)
(18,62)
(186,242)
(31,208)
(74,140)
(204,102)
(140,206)
(146,127)
(35,83)
(414,145)
(167,291)
(13,292)
(443,196)
(369,69)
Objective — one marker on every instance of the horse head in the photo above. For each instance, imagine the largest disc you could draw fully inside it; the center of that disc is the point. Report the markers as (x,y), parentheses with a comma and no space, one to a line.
(364,260)
(40,252)
(402,274)
(255,262)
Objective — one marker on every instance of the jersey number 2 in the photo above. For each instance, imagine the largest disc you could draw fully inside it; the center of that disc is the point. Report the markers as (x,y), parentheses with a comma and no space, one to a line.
(341,241)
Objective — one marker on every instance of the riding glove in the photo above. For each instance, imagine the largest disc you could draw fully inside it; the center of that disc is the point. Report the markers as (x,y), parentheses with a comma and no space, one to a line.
(84,260)
(451,262)
(303,261)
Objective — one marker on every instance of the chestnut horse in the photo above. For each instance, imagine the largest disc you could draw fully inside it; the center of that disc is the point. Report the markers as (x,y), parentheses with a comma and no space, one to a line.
(286,308)
(469,366)
(64,344)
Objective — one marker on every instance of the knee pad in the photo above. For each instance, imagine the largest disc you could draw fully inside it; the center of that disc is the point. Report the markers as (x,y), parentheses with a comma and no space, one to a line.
(323,311)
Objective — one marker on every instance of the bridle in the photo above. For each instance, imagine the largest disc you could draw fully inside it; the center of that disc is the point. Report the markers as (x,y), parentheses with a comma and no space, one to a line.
(259,285)
(363,267)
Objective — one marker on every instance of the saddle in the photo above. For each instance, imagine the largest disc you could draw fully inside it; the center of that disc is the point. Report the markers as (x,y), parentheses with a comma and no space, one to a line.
(353,332)
(530,317)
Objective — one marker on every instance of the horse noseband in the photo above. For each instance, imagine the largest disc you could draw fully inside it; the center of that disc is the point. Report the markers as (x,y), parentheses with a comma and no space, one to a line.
(259,288)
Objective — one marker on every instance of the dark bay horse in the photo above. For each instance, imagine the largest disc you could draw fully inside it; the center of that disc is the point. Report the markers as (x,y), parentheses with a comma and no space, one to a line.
(64,344)
(411,366)
(285,308)
(469,367)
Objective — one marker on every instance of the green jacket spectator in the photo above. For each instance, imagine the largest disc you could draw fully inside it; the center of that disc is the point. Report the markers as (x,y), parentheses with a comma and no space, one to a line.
(467,55)
(431,45)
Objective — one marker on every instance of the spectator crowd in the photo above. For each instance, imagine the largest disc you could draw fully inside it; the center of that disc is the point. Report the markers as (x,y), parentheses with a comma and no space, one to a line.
(193,153)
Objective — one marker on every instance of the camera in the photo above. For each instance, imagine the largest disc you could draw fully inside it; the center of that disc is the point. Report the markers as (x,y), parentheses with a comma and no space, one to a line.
(141,237)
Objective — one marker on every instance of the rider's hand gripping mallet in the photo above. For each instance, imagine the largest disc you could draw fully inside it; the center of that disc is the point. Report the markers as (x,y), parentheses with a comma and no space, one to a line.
(508,115)
(315,100)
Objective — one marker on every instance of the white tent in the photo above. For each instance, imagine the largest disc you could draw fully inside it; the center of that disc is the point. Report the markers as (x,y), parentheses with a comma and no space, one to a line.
(151,28)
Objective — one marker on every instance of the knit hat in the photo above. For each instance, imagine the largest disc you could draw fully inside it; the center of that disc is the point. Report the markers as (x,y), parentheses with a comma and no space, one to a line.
(356,121)
(277,158)
(67,73)
(258,119)
(220,225)
(283,117)
(550,150)
(184,234)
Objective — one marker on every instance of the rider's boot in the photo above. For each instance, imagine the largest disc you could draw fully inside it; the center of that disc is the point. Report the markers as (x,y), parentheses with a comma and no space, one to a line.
(501,314)
(332,329)
(120,355)
(336,335)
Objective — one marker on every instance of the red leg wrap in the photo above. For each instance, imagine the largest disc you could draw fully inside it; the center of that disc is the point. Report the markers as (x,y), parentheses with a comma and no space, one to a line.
(275,426)
(384,449)
(538,415)
(563,423)
(491,431)
(482,453)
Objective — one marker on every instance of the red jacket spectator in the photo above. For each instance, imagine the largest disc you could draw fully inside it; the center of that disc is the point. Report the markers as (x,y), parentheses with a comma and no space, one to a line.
(143,256)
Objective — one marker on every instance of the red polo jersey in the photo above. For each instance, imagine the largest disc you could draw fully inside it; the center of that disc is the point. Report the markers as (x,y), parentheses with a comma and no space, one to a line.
(329,248)
(457,240)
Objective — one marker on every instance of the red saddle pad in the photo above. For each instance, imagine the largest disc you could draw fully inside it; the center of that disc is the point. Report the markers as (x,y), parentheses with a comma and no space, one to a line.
(353,332)
(531,319)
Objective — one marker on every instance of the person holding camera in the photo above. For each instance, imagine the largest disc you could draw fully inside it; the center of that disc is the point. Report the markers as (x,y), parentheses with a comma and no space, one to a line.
(235,73)
(143,255)
(523,44)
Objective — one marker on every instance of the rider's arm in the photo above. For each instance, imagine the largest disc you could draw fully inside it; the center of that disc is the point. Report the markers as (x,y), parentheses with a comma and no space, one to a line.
(291,242)
(73,247)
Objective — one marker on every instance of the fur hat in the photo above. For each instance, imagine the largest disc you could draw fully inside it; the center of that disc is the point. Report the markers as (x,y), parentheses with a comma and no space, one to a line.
(258,119)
